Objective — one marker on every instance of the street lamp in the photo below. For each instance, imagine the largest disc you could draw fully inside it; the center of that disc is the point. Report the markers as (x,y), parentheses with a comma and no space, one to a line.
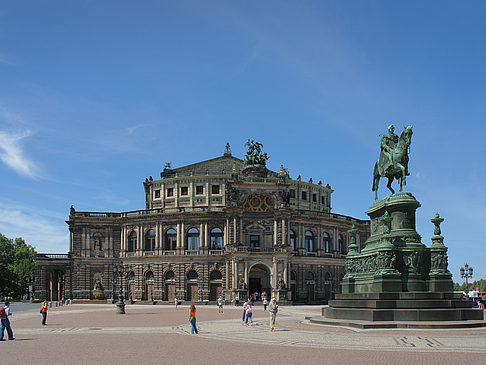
(119,269)
(466,273)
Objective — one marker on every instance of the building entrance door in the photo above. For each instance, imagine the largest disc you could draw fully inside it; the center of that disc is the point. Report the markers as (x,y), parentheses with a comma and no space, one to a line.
(170,290)
(192,292)
(259,280)
(215,291)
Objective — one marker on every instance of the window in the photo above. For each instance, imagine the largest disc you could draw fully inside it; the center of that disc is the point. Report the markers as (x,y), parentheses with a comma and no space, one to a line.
(169,275)
(341,243)
(292,240)
(323,200)
(184,190)
(170,239)
(215,275)
(292,193)
(216,239)
(132,241)
(199,190)
(149,240)
(170,191)
(157,194)
(309,241)
(326,242)
(214,189)
(304,195)
(268,240)
(309,276)
(314,198)
(193,239)
(254,240)
(192,275)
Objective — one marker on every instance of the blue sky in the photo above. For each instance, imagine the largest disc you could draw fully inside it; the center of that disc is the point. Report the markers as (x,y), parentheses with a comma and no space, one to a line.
(96,96)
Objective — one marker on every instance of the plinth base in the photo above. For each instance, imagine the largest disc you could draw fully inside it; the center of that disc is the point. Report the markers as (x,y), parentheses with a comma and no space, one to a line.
(404,306)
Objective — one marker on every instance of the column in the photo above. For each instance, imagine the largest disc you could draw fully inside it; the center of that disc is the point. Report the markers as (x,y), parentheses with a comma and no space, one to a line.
(183,236)
(274,274)
(140,240)
(234,230)
(284,235)
(206,236)
(178,242)
(286,275)
(227,277)
(234,273)
(202,236)
(241,230)
(275,232)
(246,275)
(225,233)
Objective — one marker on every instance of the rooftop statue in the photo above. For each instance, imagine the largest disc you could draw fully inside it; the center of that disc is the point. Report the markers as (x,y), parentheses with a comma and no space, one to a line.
(254,155)
(393,160)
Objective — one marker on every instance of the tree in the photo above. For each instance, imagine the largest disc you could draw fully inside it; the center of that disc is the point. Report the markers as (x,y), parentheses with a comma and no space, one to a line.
(16,266)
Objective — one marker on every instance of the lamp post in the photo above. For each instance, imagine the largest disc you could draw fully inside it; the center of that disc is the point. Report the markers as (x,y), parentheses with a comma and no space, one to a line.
(119,269)
(466,273)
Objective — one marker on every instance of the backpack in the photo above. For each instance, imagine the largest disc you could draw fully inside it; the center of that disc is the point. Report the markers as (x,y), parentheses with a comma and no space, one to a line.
(2,311)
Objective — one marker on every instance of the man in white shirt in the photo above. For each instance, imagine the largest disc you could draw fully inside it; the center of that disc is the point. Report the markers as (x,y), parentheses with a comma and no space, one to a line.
(5,322)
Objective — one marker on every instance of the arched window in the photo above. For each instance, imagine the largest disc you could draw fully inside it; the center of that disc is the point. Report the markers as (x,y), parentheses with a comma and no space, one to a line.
(327,278)
(149,276)
(341,243)
(309,241)
(169,276)
(216,239)
(309,275)
(170,239)
(326,242)
(215,275)
(149,240)
(132,242)
(292,240)
(192,275)
(193,239)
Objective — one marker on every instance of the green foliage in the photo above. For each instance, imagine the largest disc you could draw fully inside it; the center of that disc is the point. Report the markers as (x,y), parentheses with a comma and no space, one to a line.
(480,285)
(16,266)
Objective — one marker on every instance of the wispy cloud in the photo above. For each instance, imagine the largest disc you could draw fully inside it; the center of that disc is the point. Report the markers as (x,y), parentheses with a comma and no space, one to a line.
(12,154)
(44,230)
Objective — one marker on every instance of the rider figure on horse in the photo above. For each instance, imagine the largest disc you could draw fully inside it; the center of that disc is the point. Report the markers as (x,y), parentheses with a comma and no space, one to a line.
(388,143)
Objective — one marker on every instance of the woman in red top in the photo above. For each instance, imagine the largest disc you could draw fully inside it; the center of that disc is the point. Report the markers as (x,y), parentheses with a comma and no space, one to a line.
(192,319)
(44,312)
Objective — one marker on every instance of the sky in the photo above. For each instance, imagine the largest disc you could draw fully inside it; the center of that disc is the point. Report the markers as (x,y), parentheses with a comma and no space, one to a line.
(97,96)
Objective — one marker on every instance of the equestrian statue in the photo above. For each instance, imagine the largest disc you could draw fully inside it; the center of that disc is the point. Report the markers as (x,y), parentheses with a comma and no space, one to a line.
(393,160)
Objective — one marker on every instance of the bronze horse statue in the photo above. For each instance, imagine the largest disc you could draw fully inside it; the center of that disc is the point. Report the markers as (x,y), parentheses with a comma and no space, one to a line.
(398,166)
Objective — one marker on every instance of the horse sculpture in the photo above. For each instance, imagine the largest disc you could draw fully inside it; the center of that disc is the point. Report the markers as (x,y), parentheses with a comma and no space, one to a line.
(398,168)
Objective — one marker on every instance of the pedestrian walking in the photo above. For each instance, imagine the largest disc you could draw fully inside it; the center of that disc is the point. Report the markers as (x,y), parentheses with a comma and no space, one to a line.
(220,304)
(4,313)
(43,311)
(273,309)
(265,303)
(176,302)
(192,319)
(249,314)
(245,304)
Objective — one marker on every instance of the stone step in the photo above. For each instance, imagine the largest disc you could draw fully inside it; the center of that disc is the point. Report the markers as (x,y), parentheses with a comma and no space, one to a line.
(400,296)
(410,304)
(392,324)
(424,314)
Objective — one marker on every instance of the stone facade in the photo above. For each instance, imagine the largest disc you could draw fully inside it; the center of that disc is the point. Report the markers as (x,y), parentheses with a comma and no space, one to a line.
(217,227)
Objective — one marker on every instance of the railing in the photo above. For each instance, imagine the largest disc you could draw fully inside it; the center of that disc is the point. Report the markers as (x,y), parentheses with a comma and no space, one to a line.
(52,256)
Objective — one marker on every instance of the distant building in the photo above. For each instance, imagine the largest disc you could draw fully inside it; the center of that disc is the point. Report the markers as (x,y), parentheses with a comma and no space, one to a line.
(224,226)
